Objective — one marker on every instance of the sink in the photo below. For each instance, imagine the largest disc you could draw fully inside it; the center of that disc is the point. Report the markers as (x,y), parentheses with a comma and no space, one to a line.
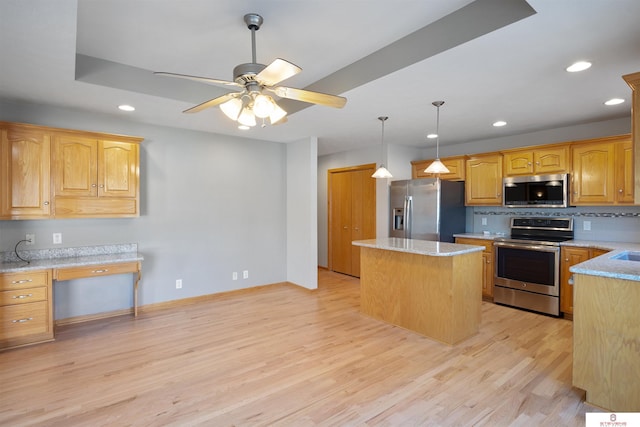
(627,256)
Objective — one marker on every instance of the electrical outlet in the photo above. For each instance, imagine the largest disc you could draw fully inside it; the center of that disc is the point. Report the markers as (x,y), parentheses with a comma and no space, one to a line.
(586,225)
(245,274)
(178,283)
(235,275)
(484,221)
(57,238)
(31,239)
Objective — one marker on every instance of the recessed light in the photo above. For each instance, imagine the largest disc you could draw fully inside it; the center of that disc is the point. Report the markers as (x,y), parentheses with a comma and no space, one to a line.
(432,135)
(500,123)
(243,127)
(614,101)
(125,107)
(578,66)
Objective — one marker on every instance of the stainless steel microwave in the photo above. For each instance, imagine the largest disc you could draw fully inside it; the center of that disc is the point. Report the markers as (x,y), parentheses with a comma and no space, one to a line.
(551,191)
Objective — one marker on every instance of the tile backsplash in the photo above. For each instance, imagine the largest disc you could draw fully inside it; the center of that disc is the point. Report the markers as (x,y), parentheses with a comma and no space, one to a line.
(601,223)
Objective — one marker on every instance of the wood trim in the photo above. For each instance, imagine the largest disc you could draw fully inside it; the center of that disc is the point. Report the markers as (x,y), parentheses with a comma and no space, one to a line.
(89,317)
(83,133)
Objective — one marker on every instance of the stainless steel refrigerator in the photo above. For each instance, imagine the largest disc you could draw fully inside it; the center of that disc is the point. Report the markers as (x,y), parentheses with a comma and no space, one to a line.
(427,209)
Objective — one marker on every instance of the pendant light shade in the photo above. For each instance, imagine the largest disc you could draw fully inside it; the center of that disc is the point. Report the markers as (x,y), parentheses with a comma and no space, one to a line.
(437,167)
(382,172)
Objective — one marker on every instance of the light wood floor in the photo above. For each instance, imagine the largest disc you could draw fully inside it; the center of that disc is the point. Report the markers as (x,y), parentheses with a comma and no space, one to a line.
(285,356)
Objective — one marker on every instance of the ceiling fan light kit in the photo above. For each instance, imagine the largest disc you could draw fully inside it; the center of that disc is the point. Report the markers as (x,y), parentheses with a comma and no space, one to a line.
(437,167)
(256,82)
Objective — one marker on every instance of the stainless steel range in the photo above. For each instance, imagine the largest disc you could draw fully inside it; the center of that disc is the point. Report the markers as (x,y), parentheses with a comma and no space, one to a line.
(528,264)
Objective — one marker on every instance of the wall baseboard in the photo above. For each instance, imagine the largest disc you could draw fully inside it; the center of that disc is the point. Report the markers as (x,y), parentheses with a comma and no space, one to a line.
(149,308)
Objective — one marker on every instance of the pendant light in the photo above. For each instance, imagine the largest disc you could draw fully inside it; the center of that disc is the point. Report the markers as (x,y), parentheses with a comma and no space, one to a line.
(382,172)
(437,167)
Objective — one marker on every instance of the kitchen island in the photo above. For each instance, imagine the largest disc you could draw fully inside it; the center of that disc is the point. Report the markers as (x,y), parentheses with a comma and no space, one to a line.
(432,288)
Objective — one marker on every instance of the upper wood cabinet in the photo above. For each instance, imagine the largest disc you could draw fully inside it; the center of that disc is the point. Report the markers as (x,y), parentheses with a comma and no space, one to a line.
(50,172)
(536,161)
(602,171)
(24,173)
(624,172)
(633,80)
(483,185)
(455,165)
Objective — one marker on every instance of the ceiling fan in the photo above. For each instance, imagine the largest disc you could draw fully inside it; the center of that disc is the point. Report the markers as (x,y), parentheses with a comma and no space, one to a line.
(255,83)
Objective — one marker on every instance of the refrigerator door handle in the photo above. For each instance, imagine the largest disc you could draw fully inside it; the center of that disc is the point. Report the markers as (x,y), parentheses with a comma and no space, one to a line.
(408,205)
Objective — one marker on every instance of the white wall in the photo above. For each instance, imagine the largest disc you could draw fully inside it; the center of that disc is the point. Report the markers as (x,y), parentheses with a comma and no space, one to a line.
(210,205)
(302,212)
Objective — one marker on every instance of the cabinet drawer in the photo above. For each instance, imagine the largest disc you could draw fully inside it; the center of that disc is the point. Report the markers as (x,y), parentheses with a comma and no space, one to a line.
(95,270)
(23,296)
(26,280)
(24,319)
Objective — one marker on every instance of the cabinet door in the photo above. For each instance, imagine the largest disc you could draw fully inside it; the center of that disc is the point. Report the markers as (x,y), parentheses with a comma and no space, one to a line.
(117,169)
(487,273)
(454,164)
(75,167)
(551,160)
(484,180)
(570,257)
(25,174)
(518,163)
(624,172)
(593,174)
(340,221)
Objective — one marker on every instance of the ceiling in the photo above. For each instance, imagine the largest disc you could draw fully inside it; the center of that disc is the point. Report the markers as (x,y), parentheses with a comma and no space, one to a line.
(487,59)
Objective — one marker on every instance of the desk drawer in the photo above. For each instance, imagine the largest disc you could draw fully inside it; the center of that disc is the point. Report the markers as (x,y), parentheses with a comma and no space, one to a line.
(26,280)
(23,296)
(95,270)
(24,319)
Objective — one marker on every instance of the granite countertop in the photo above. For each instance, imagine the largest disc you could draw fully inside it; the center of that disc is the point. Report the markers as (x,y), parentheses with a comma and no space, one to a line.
(69,257)
(420,247)
(603,265)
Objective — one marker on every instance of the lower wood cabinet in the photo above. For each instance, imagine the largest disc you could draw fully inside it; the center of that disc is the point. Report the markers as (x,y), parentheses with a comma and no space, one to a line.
(487,263)
(26,312)
(570,256)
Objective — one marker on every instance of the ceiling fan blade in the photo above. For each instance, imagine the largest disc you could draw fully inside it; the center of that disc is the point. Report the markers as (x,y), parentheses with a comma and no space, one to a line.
(212,102)
(199,79)
(277,71)
(309,96)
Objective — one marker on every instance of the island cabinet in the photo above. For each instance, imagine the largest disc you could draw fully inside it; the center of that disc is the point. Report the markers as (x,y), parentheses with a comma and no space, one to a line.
(536,161)
(569,257)
(26,315)
(602,171)
(483,185)
(488,264)
(427,287)
(456,166)
(24,172)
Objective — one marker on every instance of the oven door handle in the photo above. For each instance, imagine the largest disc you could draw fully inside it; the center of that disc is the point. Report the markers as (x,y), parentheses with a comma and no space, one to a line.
(539,248)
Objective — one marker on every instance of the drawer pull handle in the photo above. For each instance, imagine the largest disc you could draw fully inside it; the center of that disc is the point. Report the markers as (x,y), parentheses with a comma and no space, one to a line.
(100,271)
(22,296)
(22,320)
(19,282)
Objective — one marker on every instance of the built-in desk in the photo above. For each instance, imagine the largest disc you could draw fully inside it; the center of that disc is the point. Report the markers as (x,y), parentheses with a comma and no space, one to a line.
(26,297)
